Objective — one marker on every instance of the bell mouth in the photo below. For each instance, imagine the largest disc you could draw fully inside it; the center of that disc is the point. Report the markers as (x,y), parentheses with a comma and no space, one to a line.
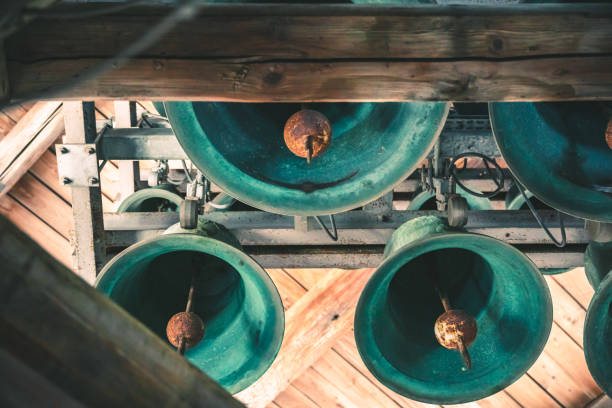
(151,200)
(558,151)
(237,301)
(240,147)
(492,281)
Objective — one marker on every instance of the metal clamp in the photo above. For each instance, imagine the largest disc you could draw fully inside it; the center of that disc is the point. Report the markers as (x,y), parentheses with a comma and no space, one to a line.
(77,164)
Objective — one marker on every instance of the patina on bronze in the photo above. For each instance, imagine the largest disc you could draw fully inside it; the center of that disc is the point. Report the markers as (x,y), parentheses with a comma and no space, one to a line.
(185,329)
(455,329)
(307,133)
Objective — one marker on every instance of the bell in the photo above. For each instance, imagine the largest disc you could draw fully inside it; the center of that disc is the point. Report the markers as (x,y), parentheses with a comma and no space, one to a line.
(598,323)
(202,294)
(426,200)
(451,317)
(157,199)
(559,152)
(316,159)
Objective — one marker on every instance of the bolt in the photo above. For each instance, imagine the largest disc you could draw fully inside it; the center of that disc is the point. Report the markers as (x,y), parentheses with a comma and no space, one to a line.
(64,150)
(66,180)
(93,180)
(91,150)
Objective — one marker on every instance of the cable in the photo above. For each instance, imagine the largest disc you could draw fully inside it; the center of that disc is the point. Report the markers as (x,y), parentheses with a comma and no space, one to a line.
(499,181)
(333,235)
(187,172)
(558,244)
(185,11)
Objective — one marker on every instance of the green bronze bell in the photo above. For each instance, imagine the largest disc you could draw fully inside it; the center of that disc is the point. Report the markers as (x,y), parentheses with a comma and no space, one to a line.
(481,299)
(156,199)
(558,151)
(426,200)
(234,298)
(598,322)
(342,156)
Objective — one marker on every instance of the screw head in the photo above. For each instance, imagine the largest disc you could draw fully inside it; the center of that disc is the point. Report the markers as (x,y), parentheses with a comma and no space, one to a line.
(93,180)
(66,180)
(64,150)
(91,150)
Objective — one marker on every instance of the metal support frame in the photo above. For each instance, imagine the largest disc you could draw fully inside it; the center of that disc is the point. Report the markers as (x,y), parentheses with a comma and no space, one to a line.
(129,170)
(89,248)
(284,241)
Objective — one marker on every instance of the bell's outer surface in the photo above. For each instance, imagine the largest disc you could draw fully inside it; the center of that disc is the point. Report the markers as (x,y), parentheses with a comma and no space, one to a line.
(240,148)
(475,203)
(558,152)
(394,319)
(149,200)
(597,262)
(598,335)
(238,302)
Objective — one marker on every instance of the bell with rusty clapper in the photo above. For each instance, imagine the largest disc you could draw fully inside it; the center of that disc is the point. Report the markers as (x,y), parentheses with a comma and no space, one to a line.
(449,316)
(561,152)
(197,290)
(306,159)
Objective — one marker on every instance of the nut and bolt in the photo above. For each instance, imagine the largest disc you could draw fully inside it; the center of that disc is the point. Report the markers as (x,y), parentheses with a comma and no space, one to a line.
(64,150)
(66,180)
(93,180)
(91,150)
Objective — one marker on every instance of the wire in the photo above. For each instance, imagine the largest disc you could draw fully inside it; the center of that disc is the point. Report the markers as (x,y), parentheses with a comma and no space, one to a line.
(499,181)
(187,172)
(186,10)
(333,235)
(559,244)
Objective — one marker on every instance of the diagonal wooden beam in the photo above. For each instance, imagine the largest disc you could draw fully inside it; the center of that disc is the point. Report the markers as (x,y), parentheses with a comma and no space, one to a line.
(65,344)
(28,140)
(313,325)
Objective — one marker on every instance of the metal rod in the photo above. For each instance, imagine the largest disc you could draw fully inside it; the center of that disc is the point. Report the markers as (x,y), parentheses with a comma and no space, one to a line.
(181,346)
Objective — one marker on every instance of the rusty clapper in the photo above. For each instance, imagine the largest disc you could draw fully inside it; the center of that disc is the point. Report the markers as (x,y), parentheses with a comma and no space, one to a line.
(307,133)
(185,329)
(455,329)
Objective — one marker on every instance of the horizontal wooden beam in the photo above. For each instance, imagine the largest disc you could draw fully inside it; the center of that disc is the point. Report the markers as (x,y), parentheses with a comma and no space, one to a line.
(71,346)
(291,53)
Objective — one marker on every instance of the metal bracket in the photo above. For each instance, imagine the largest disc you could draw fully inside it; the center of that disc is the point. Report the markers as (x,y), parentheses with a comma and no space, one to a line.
(77,164)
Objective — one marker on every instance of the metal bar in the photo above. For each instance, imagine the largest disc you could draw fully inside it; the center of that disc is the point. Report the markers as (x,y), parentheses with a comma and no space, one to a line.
(129,171)
(160,143)
(88,234)
(355,227)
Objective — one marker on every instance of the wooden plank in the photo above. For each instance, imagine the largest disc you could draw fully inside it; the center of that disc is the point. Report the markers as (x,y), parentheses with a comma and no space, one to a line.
(45,169)
(88,232)
(587,78)
(332,53)
(567,313)
(82,343)
(322,392)
(312,326)
(27,141)
(4,80)
(576,283)
(289,290)
(291,397)
(527,392)
(43,202)
(50,240)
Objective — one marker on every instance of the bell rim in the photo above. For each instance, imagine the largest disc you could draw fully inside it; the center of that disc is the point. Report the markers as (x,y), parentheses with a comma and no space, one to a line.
(574,210)
(218,169)
(143,195)
(254,268)
(596,314)
(411,388)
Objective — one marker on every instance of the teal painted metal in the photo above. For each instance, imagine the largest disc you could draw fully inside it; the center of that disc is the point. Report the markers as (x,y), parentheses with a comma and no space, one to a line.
(240,148)
(597,262)
(493,281)
(558,152)
(160,108)
(238,302)
(598,335)
(157,199)
(475,203)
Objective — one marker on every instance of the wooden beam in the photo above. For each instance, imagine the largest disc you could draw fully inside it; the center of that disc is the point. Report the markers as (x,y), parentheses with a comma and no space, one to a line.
(331,53)
(313,324)
(27,141)
(75,344)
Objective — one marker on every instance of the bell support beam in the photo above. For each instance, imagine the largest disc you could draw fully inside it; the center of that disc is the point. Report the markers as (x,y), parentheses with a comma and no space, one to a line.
(39,299)
(312,326)
(298,53)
